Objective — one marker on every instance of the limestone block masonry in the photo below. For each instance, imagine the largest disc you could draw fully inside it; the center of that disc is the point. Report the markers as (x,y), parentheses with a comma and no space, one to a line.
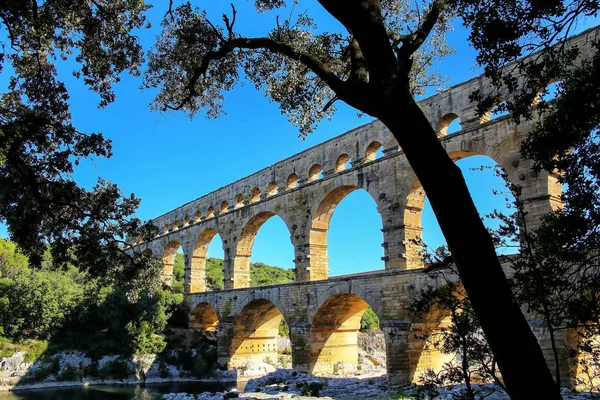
(304,190)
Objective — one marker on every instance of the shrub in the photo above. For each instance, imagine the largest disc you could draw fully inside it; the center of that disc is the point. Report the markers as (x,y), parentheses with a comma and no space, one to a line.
(163,370)
(369,321)
(70,373)
(35,375)
(118,369)
(92,370)
(310,388)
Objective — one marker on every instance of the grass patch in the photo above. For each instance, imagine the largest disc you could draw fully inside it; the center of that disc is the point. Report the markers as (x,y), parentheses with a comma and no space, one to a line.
(33,348)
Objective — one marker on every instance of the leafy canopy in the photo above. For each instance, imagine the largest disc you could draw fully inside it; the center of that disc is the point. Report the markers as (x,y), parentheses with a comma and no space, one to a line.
(40,147)
(304,68)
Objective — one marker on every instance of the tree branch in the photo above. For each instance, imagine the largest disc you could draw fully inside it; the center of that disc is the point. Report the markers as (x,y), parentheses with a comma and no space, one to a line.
(363,19)
(319,68)
(409,48)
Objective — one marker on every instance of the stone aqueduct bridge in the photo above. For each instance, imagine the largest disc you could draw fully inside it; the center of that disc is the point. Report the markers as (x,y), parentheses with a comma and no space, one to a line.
(303,190)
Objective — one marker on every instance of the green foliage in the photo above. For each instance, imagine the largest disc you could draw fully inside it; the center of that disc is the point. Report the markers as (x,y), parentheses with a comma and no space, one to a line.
(117,369)
(40,202)
(70,373)
(369,321)
(11,259)
(35,375)
(284,328)
(92,370)
(32,348)
(35,304)
(214,273)
(264,275)
(178,273)
(310,388)
(109,323)
(296,64)
(260,274)
(163,370)
(463,338)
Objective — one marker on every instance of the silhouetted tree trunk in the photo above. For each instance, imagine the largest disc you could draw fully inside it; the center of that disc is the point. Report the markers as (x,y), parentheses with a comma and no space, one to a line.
(512,341)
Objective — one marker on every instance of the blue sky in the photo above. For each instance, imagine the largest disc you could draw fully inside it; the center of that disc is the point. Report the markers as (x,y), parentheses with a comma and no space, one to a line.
(168,160)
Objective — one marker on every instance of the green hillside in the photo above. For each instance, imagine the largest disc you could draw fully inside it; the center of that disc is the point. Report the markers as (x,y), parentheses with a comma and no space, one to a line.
(260,274)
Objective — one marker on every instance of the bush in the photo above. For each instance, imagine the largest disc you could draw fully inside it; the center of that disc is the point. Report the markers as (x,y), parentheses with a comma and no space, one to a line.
(70,373)
(369,321)
(284,328)
(310,388)
(92,370)
(37,375)
(163,370)
(118,369)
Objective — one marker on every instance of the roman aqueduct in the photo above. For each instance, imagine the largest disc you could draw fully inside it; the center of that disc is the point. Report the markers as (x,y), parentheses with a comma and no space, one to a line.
(324,312)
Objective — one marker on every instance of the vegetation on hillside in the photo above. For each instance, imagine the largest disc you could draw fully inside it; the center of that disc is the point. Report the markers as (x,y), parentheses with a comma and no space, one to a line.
(75,310)
(261,274)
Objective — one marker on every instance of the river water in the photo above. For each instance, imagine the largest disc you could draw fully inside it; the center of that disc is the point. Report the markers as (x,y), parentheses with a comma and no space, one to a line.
(126,392)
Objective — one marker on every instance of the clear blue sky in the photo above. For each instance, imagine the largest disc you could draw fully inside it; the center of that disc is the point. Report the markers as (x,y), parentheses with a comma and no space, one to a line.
(168,160)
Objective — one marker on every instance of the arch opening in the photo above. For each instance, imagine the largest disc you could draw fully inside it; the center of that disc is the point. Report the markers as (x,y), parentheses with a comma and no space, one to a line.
(272,189)
(197,217)
(373,151)
(204,318)
(186,221)
(242,274)
(351,251)
(315,172)
(255,332)
(292,182)
(343,163)
(272,254)
(254,195)
(239,201)
(499,110)
(449,123)
(550,92)
(202,275)
(224,207)
(210,213)
(168,259)
(489,193)
(334,335)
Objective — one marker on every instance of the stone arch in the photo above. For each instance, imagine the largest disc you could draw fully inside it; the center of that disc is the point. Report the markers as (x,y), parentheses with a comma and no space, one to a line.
(255,331)
(334,332)
(197,217)
(291,182)
(423,339)
(186,221)
(210,213)
(204,318)
(243,251)
(340,163)
(371,151)
(254,195)
(495,111)
(371,295)
(550,92)
(239,201)
(415,197)
(168,260)
(318,259)
(314,172)
(224,207)
(444,123)
(272,189)
(195,280)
